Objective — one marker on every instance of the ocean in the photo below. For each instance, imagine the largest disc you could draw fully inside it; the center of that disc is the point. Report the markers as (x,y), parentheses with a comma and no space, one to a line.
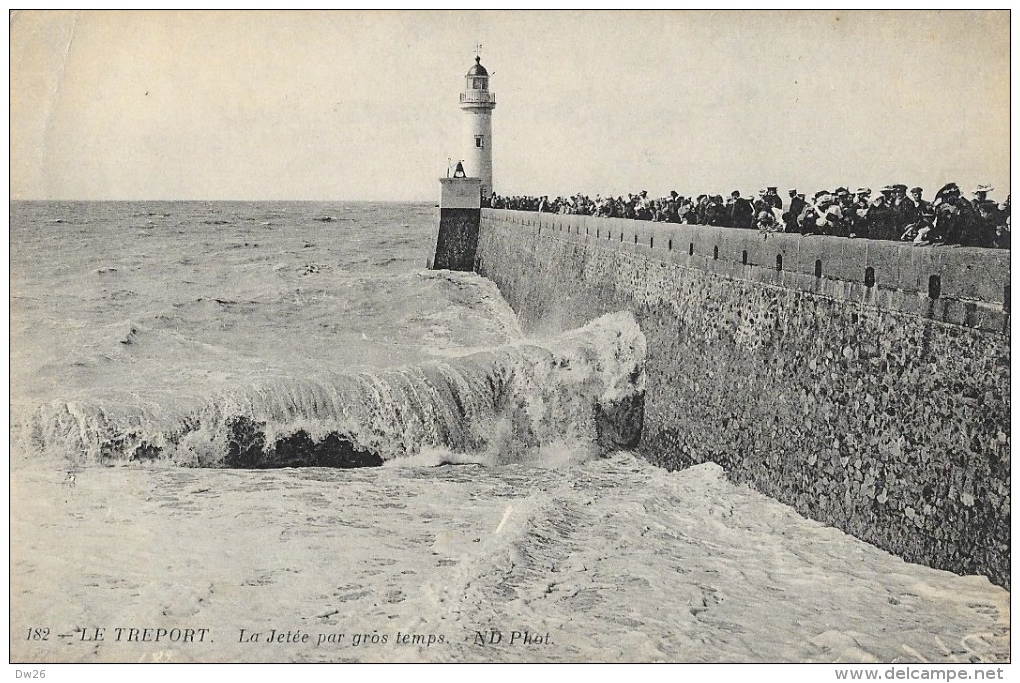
(265,432)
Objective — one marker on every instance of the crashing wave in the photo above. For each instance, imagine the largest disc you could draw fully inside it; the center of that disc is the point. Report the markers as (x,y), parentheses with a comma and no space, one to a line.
(583,389)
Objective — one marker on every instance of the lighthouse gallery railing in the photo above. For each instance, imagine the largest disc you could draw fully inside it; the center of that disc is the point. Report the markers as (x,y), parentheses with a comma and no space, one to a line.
(479,96)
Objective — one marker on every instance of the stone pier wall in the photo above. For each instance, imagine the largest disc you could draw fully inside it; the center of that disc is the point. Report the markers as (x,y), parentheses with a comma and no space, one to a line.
(864,383)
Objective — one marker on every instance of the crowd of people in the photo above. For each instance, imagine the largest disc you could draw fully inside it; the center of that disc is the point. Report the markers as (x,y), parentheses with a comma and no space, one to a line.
(890,214)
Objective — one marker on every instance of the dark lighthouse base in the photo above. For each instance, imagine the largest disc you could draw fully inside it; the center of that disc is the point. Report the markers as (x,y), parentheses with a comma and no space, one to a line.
(460,214)
(458,239)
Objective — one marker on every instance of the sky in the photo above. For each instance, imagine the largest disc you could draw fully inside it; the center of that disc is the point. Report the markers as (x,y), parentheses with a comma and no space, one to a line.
(363,105)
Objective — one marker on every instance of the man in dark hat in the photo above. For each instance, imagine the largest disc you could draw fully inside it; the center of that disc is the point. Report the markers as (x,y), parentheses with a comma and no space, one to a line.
(955,217)
(917,196)
(741,211)
(797,205)
(772,198)
(904,211)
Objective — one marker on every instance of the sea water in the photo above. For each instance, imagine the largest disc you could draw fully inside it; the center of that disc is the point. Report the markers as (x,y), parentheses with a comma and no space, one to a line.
(268,423)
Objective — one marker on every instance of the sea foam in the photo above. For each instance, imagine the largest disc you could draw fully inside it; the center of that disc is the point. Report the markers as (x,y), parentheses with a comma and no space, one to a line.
(570,396)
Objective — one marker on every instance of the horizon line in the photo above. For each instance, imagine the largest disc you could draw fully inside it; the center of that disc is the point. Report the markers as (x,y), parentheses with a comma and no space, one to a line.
(71,199)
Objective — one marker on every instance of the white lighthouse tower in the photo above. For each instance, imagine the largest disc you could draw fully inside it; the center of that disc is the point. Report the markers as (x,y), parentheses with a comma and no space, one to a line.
(478,102)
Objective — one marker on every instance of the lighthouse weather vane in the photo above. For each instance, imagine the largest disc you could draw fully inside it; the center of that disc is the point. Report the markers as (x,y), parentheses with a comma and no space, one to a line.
(478,49)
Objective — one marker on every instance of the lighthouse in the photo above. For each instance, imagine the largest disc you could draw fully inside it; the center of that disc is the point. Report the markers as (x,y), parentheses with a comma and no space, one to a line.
(478,103)
(468,190)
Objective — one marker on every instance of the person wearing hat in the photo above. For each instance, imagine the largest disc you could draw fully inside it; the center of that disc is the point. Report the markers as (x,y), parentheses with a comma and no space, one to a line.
(715,211)
(904,211)
(772,197)
(949,191)
(846,207)
(643,207)
(990,215)
(981,196)
(700,210)
(741,211)
(830,216)
(956,219)
(766,222)
(981,193)
(923,230)
(859,221)
(685,210)
(760,203)
(917,196)
(797,205)
(807,221)
(881,222)
(630,207)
